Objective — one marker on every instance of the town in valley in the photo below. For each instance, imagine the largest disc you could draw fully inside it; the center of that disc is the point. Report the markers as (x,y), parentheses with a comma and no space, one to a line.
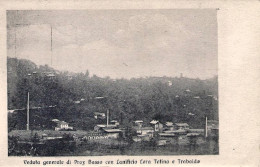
(112,82)
(98,126)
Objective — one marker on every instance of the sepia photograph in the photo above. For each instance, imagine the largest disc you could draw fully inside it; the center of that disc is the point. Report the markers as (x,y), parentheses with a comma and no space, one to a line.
(99,82)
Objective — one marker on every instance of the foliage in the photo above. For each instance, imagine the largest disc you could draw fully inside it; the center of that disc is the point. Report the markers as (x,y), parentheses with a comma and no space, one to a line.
(72,97)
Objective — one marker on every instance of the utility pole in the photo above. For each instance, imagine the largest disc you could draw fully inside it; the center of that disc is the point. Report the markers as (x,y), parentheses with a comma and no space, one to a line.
(107,117)
(28,101)
(51,46)
(206,127)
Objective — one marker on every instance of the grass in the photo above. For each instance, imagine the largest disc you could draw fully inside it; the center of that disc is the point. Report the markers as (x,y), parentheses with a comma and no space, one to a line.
(26,135)
(104,147)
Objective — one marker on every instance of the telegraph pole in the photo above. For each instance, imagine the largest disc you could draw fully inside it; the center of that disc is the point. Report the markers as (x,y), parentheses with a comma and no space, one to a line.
(206,127)
(107,117)
(28,116)
(51,46)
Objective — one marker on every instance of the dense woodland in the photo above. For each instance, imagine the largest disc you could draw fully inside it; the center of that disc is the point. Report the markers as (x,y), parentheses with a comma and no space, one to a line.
(127,100)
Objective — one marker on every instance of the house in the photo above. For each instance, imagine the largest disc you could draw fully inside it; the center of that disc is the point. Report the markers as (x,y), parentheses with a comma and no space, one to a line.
(114,122)
(55,120)
(193,134)
(176,132)
(215,131)
(105,131)
(199,131)
(139,138)
(99,115)
(112,133)
(211,124)
(169,83)
(62,125)
(91,135)
(158,127)
(169,137)
(101,127)
(183,126)
(169,126)
(50,75)
(144,131)
(138,123)
(187,90)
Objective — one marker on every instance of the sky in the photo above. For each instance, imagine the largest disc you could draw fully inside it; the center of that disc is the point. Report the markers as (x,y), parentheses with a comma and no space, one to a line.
(118,43)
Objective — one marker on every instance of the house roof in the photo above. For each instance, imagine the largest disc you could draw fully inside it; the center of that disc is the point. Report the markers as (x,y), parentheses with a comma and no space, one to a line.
(114,121)
(175,131)
(112,130)
(50,75)
(147,128)
(212,121)
(106,126)
(142,135)
(166,134)
(196,130)
(154,122)
(55,120)
(99,113)
(169,124)
(143,128)
(182,124)
(138,121)
(193,134)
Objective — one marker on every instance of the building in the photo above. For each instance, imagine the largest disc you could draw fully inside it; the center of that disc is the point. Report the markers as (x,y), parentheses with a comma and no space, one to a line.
(176,132)
(158,127)
(183,126)
(212,127)
(101,127)
(103,132)
(215,131)
(169,126)
(138,123)
(169,137)
(55,120)
(112,133)
(144,131)
(114,122)
(199,131)
(62,125)
(212,124)
(99,115)
(140,138)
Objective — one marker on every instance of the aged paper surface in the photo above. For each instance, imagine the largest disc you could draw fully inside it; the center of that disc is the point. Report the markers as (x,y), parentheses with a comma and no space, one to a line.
(227,31)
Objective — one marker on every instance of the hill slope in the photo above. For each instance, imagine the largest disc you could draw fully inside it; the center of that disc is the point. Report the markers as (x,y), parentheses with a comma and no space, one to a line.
(58,93)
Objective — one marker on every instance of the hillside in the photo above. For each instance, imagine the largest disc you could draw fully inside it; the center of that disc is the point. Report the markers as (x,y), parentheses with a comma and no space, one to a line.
(73,97)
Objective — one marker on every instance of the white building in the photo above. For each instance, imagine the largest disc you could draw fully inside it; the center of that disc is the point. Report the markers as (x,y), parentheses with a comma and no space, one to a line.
(62,125)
